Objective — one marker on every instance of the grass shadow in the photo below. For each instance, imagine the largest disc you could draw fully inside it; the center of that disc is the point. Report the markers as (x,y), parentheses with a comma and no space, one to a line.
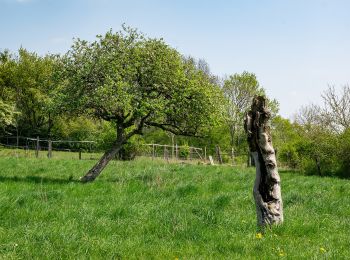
(38,179)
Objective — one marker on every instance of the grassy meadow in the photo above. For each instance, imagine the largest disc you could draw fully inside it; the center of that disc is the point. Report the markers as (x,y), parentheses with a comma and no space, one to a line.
(153,210)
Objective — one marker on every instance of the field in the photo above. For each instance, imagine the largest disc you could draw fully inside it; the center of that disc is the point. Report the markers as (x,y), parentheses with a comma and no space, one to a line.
(150,209)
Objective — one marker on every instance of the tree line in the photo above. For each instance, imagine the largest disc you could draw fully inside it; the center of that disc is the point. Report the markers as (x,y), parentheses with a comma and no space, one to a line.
(124,89)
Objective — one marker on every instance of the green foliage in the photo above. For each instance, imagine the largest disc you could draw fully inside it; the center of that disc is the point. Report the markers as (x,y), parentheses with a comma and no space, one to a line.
(80,128)
(239,90)
(26,81)
(157,136)
(136,81)
(128,82)
(155,210)
(134,146)
(343,154)
(289,155)
(312,148)
(185,151)
(85,129)
(286,137)
(7,114)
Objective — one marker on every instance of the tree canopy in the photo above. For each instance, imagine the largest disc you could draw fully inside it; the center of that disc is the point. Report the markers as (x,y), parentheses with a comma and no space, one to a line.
(26,83)
(136,82)
(239,90)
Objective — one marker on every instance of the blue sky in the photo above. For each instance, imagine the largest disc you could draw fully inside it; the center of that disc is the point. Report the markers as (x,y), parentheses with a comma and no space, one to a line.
(296,48)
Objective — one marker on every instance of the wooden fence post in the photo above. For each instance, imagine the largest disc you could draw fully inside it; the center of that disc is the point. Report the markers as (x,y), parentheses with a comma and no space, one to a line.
(153,152)
(172,146)
(49,149)
(80,154)
(17,140)
(37,147)
(233,155)
(218,152)
(166,154)
(249,160)
(27,148)
(176,152)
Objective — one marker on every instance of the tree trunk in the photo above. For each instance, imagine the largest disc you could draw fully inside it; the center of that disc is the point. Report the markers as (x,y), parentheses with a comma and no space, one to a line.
(106,158)
(267,187)
(232,134)
(218,153)
(318,165)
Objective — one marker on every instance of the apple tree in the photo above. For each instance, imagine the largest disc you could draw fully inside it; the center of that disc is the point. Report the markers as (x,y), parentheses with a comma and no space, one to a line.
(135,82)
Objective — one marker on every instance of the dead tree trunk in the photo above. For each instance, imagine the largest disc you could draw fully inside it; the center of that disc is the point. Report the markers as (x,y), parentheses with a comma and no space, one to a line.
(267,187)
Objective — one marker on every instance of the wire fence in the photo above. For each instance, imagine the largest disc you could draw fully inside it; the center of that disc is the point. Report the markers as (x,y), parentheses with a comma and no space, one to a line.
(88,150)
(191,153)
(44,148)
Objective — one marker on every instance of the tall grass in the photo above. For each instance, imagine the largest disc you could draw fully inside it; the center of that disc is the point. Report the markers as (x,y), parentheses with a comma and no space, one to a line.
(145,209)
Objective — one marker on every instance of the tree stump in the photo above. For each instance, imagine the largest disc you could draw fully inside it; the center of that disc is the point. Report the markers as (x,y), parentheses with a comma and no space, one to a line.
(267,187)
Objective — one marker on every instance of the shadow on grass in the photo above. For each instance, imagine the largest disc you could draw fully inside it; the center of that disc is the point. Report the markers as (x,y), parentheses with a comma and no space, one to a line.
(38,179)
(337,175)
(282,170)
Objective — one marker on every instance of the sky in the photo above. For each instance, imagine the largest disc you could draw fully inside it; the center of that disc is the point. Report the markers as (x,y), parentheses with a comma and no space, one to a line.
(296,48)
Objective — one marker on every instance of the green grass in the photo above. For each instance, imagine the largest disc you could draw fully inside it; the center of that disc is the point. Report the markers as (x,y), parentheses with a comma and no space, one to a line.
(20,153)
(146,209)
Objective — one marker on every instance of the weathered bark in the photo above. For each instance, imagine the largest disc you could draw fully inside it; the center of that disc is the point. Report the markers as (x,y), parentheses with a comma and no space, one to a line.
(101,164)
(106,158)
(267,187)
(232,134)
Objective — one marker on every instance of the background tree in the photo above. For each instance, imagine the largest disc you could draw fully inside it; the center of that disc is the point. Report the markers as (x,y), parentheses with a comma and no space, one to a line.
(287,138)
(239,89)
(135,82)
(320,139)
(336,110)
(6,96)
(7,114)
(26,80)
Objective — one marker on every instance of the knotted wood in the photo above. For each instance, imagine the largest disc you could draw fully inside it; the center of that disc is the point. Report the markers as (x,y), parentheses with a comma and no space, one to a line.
(267,186)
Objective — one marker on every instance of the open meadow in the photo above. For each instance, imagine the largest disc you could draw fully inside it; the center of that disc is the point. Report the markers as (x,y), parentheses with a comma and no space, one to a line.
(153,210)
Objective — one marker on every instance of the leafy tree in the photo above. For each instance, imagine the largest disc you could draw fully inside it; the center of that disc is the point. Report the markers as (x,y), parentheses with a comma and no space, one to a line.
(26,80)
(318,146)
(240,89)
(336,110)
(333,115)
(7,114)
(135,82)
(343,154)
(324,130)
(7,107)
(286,136)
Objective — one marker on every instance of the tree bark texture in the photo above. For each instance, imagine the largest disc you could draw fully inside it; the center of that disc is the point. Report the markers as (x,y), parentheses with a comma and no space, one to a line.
(110,154)
(267,187)
(101,164)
